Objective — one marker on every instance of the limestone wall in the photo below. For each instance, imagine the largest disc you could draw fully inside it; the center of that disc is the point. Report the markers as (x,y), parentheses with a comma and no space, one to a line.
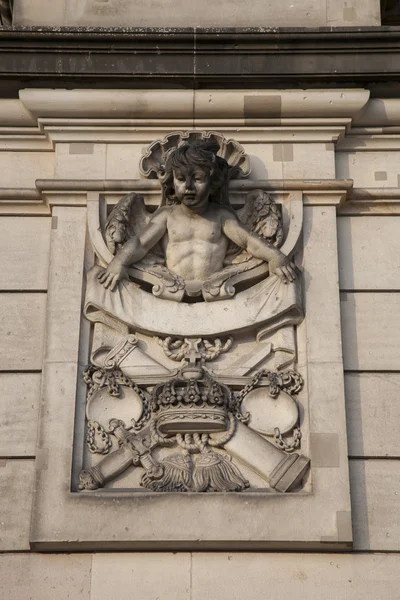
(369,266)
(183,13)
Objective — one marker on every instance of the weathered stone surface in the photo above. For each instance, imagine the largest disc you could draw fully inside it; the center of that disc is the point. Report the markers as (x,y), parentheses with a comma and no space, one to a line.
(375,504)
(291,161)
(274,103)
(80,161)
(320,256)
(64,298)
(19,401)
(123,161)
(308,161)
(30,12)
(22,318)
(158,575)
(373,414)
(356,12)
(369,169)
(21,169)
(45,577)
(121,13)
(313,576)
(363,266)
(24,245)
(371,331)
(16,489)
(145,527)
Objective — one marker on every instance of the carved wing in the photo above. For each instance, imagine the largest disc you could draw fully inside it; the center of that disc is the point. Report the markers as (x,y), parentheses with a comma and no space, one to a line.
(262,216)
(128,218)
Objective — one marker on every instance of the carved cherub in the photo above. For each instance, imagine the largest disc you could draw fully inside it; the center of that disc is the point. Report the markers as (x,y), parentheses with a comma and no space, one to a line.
(195,225)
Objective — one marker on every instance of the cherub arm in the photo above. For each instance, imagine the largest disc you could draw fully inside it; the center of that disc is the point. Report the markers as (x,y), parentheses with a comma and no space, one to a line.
(134,250)
(278,263)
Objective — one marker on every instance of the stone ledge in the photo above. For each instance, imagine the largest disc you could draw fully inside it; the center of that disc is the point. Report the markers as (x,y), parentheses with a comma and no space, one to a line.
(262,57)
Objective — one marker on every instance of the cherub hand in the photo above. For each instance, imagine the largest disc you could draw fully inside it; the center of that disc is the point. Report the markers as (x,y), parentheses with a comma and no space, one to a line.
(283,267)
(110,276)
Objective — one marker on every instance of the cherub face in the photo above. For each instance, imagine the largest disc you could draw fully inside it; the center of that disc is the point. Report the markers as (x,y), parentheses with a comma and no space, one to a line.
(192,186)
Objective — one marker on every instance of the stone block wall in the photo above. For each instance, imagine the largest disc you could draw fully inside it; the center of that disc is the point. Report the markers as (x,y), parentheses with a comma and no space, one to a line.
(369,268)
(179,13)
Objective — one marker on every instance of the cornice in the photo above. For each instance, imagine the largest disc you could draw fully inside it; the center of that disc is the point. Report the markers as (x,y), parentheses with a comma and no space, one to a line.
(196,57)
(118,111)
(67,192)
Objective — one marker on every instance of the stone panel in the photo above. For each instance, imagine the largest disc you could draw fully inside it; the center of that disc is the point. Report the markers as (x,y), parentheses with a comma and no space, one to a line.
(24,246)
(19,401)
(16,488)
(369,250)
(65,293)
(263,165)
(320,252)
(39,12)
(174,13)
(80,161)
(291,161)
(309,161)
(194,520)
(21,169)
(156,575)
(45,577)
(369,169)
(355,12)
(22,318)
(313,576)
(123,161)
(371,331)
(373,414)
(375,502)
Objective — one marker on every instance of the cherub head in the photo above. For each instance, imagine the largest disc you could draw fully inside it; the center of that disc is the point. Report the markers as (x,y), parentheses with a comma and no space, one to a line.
(193,172)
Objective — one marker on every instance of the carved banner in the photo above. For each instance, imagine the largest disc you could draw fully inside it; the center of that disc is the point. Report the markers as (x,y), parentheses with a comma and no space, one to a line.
(193,379)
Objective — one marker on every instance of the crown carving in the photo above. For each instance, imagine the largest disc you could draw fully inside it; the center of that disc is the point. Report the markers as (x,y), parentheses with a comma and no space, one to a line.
(192,402)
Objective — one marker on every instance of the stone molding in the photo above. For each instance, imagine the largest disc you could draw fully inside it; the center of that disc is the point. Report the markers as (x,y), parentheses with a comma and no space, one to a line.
(251,107)
(272,57)
(349,200)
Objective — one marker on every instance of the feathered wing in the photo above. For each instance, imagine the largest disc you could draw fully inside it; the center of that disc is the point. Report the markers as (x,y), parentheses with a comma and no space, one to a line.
(261,216)
(128,218)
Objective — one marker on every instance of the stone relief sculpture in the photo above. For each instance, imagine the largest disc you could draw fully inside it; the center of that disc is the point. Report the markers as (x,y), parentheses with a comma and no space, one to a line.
(192,385)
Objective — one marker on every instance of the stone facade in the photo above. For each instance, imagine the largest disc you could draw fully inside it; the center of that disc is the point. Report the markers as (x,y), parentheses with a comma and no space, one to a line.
(121,13)
(335,149)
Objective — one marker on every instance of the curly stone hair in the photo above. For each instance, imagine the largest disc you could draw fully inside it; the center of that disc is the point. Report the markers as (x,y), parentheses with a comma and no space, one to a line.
(199,153)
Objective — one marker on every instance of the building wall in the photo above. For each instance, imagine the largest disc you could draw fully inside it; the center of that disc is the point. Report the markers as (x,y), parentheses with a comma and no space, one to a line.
(183,13)
(369,266)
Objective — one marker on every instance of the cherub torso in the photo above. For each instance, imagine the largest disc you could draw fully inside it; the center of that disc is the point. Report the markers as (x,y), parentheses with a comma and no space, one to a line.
(195,245)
